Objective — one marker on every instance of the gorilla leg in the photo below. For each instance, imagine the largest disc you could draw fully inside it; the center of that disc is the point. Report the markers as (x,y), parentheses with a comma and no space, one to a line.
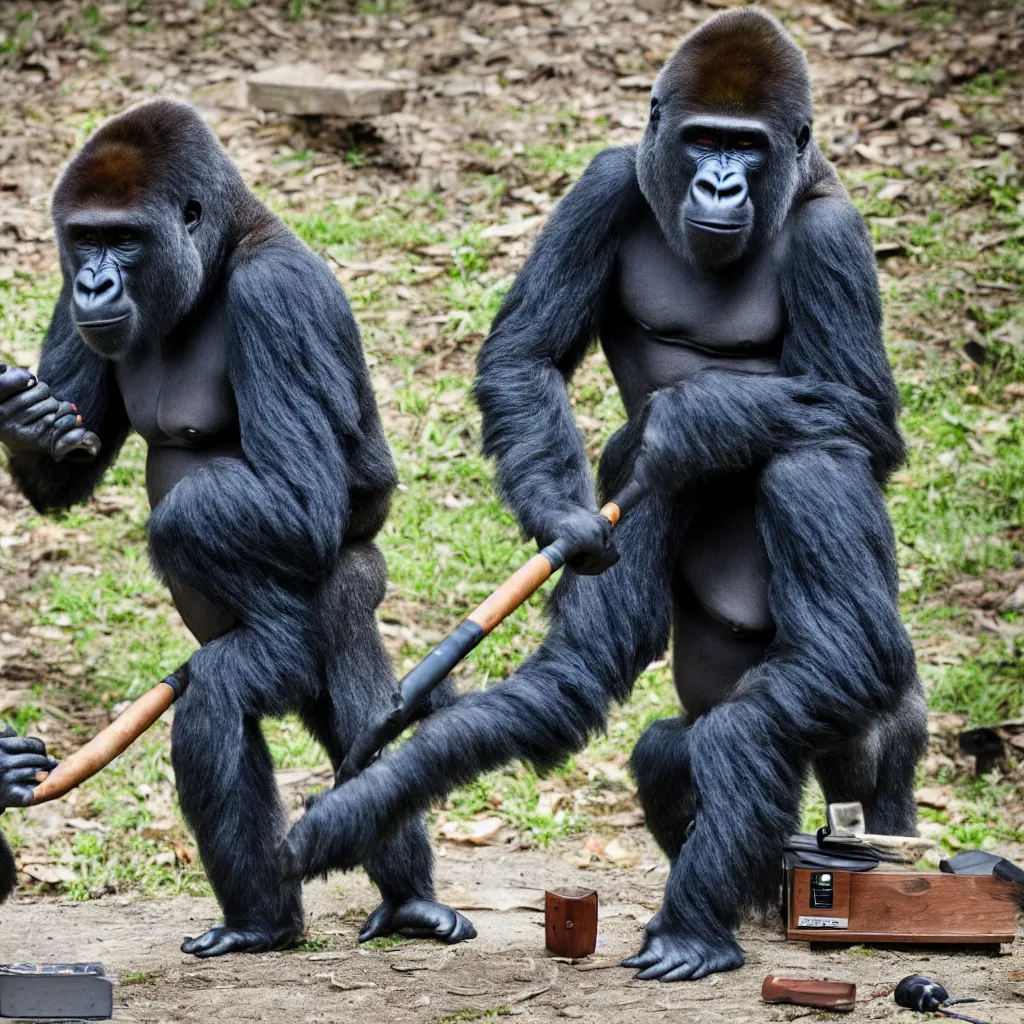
(361,686)
(877,769)
(226,785)
(662,772)
(605,630)
(840,658)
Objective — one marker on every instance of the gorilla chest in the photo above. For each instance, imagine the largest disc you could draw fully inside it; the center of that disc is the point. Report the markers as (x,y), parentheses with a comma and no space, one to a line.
(178,397)
(671,319)
(178,393)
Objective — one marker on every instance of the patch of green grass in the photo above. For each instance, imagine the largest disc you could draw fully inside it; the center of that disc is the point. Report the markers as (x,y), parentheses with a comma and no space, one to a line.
(471,1013)
(384,942)
(311,945)
(987,83)
(135,978)
(561,156)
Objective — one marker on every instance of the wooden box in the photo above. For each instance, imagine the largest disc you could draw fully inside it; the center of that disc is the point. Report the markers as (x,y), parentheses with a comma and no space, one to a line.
(898,906)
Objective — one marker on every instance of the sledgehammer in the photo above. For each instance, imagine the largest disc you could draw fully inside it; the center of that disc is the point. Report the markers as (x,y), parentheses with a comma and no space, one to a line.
(413,689)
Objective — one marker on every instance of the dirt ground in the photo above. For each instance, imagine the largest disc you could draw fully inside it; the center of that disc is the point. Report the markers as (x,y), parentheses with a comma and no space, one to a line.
(505,970)
(487,81)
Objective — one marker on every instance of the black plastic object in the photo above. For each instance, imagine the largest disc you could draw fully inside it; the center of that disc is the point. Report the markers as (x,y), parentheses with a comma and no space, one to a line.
(917,992)
(971,862)
(920,993)
(55,991)
(804,851)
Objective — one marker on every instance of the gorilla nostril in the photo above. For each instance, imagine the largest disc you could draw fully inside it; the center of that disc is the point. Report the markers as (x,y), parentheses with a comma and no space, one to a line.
(731,192)
(707,188)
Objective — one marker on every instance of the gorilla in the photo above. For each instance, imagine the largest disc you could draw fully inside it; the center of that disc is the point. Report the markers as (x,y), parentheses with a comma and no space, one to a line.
(732,286)
(20,758)
(190,314)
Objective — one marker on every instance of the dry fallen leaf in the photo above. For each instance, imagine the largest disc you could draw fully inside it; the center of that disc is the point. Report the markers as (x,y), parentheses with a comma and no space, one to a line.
(49,874)
(478,832)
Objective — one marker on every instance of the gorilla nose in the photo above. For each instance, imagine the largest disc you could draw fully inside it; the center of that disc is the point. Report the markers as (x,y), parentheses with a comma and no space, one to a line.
(720,191)
(97,289)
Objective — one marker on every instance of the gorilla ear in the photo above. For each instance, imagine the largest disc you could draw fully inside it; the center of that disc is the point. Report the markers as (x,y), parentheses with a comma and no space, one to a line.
(802,138)
(193,215)
(655,111)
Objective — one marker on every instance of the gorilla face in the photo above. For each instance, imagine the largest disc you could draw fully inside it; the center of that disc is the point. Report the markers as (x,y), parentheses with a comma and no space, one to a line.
(719,185)
(134,274)
(718,211)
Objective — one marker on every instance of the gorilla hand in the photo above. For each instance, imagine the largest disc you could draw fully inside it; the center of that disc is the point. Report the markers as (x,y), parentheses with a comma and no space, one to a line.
(675,953)
(20,758)
(586,537)
(33,422)
(69,439)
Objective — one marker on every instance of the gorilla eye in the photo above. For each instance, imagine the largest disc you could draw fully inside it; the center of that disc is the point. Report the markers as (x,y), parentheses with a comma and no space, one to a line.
(705,142)
(124,237)
(193,214)
(88,238)
(745,143)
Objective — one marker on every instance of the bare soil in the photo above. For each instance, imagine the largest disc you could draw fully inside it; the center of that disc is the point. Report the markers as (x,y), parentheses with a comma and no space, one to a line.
(505,970)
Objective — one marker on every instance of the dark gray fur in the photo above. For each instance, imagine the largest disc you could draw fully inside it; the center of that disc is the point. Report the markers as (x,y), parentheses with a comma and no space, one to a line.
(837,689)
(280,537)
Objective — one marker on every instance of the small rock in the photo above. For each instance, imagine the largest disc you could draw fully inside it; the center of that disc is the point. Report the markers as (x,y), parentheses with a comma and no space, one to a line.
(572,1011)
(1007,140)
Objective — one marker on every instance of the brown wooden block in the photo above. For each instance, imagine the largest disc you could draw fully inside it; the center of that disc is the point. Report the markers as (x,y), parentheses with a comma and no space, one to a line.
(883,906)
(570,921)
(829,995)
(308,90)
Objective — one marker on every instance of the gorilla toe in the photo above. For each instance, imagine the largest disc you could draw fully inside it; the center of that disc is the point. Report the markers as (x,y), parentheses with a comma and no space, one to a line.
(418,919)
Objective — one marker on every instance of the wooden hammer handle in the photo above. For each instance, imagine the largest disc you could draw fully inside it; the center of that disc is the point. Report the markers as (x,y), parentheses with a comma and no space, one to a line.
(107,744)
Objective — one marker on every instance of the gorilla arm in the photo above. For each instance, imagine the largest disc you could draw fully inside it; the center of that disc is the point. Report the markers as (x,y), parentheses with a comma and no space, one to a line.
(537,341)
(74,373)
(279,514)
(836,384)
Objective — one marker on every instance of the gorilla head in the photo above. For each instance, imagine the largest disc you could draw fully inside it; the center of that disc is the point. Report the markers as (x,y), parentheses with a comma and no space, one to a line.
(142,215)
(727,145)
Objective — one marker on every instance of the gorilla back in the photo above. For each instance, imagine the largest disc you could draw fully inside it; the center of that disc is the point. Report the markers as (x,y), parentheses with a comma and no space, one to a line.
(191,314)
(732,285)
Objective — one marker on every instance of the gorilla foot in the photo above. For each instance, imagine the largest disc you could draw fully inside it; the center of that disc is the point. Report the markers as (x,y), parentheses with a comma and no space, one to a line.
(681,956)
(418,919)
(221,939)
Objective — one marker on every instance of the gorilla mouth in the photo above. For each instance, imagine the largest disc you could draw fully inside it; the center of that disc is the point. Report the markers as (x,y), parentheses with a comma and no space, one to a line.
(717,226)
(101,325)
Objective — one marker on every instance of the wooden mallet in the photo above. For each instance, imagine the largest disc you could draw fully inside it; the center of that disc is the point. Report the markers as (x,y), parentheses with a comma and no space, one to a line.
(413,689)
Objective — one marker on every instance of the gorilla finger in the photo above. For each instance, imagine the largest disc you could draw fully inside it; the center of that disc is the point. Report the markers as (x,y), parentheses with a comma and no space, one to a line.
(20,796)
(62,424)
(34,395)
(26,775)
(13,380)
(684,972)
(73,440)
(12,743)
(89,446)
(37,762)
(7,731)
